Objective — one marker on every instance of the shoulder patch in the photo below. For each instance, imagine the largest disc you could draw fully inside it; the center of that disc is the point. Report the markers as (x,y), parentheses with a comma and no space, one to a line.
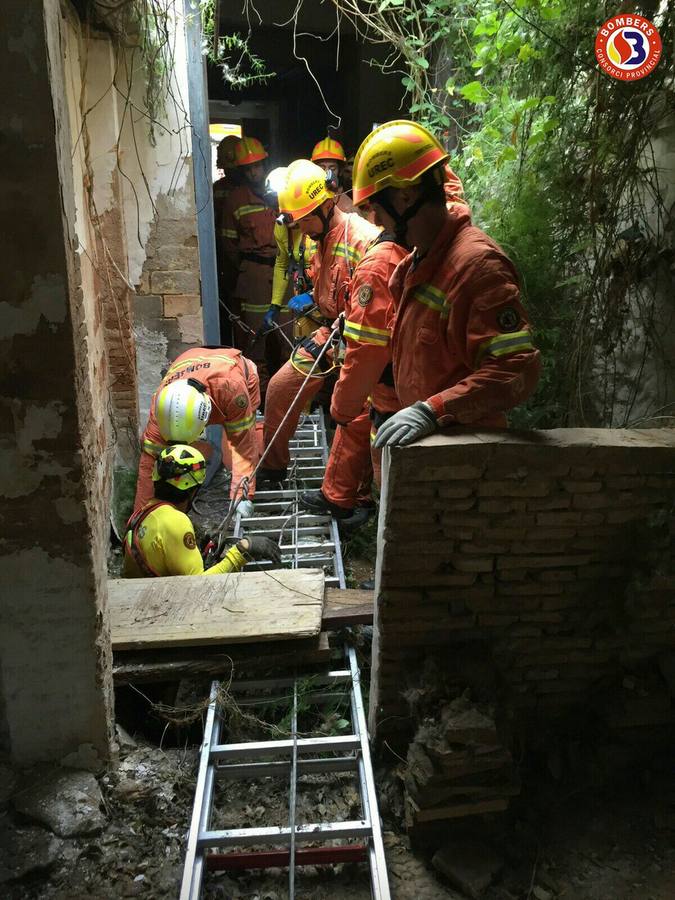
(241,401)
(365,295)
(508,319)
(189,540)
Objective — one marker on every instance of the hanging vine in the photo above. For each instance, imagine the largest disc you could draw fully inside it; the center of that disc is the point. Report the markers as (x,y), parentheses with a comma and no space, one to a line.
(560,165)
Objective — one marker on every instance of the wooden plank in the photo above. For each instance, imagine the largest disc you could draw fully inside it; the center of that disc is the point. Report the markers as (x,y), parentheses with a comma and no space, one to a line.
(347,607)
(215,609)
(171,664)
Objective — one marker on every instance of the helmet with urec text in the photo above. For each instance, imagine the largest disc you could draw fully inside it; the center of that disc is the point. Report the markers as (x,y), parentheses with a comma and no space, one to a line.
(305,189)
(397,154)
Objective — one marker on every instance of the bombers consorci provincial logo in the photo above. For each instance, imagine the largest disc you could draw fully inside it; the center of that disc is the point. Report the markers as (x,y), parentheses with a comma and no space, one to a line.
(628,47)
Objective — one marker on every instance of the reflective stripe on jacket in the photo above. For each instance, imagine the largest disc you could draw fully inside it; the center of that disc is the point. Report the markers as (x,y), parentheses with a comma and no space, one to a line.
(248,223)
(336,258)
(461,339)
(231,381)
(367,334)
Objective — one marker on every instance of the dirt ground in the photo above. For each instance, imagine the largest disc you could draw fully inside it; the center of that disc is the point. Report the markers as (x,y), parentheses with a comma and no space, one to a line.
(561,839)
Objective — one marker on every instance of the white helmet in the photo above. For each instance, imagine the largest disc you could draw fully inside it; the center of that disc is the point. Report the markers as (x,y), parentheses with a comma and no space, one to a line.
(182,412)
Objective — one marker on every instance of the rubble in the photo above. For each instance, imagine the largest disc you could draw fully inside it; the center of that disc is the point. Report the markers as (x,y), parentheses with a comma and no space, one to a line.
(67,802)
(458,766)
(26,851)
(469,866)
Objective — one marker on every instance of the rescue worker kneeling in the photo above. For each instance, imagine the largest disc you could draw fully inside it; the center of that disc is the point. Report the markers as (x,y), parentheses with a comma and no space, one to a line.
(160,539)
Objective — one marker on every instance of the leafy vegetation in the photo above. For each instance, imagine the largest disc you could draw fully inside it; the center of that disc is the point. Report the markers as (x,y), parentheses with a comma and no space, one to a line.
(231,53)
(559,166)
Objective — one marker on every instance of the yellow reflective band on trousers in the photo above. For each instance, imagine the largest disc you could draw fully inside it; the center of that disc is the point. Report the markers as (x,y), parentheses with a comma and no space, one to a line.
(247,209)
(433,298)
(302,363)
(260,308)
(228,233)
(242,424)
(366,334)
(505,344)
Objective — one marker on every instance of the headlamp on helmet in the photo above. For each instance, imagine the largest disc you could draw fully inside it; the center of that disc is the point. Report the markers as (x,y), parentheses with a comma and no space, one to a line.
(304,191)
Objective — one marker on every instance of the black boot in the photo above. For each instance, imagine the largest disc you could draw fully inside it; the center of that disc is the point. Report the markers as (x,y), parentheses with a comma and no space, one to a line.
(270,476)
(315,502)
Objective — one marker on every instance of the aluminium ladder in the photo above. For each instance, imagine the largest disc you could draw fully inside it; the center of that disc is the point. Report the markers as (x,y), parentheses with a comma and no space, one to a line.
(306,541)
(300,755)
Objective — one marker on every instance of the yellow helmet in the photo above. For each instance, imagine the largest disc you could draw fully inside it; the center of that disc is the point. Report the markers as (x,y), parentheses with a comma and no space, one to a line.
(276,179)
(182,411)
(396,154)
(305,189)
(248,151)
(328,149)
(182,466)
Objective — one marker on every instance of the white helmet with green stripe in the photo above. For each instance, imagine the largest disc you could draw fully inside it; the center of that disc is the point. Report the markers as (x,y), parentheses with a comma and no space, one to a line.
(182,411)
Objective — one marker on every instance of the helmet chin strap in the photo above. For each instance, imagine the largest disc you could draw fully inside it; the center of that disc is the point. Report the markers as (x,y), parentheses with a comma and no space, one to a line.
(401,219)
(325,221)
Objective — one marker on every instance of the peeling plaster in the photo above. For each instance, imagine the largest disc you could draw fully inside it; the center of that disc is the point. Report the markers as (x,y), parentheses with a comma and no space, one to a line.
(17,478)
(40,423)
(69,510)
(25,43)
(47,300)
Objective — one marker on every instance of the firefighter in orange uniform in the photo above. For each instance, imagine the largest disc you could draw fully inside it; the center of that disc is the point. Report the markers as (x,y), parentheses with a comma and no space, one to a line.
(366,374)
(330,155)
(342,239)
(248,232)
(461,343)
(205,386)
(365,390)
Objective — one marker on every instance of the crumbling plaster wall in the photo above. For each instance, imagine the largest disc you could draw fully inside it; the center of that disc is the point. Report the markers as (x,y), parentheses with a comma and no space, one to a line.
(136,217)
(549,557)
(55,657)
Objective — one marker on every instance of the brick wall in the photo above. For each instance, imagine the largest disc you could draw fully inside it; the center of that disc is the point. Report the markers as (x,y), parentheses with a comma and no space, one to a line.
(169,299)
(552,554)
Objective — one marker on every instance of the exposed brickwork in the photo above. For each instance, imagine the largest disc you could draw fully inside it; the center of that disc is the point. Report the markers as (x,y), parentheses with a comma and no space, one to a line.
(168,300)
(555,552)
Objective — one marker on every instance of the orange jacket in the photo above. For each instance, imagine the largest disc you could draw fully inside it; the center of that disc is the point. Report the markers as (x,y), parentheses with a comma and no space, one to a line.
(248,223)
(367,333)
(461,339)
(336,258)
(231,381)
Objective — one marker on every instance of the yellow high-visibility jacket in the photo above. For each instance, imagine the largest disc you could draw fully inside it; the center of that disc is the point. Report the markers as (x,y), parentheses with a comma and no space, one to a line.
(290,239)
(161,541)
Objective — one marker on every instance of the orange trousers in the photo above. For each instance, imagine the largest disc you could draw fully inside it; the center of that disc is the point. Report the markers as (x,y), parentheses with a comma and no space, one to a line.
(349,472)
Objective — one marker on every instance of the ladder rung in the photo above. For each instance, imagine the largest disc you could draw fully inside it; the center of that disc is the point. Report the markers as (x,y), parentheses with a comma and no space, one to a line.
(283,767)
(271,521)
(273,835)
(262,749)
(335,676)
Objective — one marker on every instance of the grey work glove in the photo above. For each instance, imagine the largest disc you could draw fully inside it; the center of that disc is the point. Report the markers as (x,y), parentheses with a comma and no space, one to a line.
(407,425)
(245,508)
(258,547)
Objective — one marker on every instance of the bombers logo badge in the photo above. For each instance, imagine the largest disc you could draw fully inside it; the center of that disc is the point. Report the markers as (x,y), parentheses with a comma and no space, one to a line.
(241,401)
(365,295)
(508,319)
(189,540)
